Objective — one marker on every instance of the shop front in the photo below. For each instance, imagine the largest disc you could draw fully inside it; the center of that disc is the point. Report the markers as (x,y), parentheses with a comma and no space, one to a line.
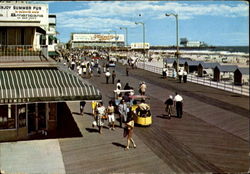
(30,100)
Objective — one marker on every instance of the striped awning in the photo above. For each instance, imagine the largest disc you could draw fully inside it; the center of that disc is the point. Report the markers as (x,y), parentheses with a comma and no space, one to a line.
(34,85)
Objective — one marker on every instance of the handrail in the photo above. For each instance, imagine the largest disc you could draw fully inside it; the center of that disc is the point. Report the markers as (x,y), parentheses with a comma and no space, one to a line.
(226,86)
(10,53)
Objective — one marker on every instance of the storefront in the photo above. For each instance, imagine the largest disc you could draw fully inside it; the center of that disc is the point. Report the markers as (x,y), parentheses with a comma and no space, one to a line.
(30,99)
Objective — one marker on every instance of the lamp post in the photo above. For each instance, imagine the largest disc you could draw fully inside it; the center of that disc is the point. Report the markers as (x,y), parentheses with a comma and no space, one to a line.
(177,39)
(126,32)
(143,27)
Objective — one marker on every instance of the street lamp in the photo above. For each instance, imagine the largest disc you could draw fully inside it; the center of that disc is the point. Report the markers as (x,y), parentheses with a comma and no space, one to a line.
(126,29)
(177,39)
(143,27)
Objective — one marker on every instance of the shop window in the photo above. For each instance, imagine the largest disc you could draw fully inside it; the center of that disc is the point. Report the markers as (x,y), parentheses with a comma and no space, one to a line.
(21,110)
(7,117)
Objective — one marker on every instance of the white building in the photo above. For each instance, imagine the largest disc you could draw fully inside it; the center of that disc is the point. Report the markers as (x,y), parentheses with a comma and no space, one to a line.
(79,40)
(135,46)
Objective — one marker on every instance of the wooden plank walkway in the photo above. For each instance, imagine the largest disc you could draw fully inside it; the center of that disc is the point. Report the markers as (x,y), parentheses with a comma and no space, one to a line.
(104,153)
(214,129)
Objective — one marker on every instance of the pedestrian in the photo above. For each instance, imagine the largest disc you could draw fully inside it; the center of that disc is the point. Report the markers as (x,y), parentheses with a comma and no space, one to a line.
(107,75)
(127,70)
(100,113)
(111,116)
(178,102)
(164,72)
(118,84)
(93,106)
(99,70)
(174,74)
(122,107)
(73,63)
(113,76)
(185,76)
(82,105)
(180,74)
(128,130)
(142,88)
(104,68)
(169,106)
(84,69)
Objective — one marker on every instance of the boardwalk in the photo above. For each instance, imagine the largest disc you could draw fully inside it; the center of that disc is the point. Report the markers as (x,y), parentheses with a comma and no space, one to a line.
(212,136)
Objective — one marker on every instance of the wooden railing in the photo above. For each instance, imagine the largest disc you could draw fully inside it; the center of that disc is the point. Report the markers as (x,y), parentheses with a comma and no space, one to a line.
(207,81)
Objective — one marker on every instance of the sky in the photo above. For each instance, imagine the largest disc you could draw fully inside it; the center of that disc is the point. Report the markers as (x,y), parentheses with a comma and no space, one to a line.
(218,23)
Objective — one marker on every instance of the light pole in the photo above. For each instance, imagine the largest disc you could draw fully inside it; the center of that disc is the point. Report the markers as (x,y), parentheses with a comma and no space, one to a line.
(143,27)
(126,32)
(177,39)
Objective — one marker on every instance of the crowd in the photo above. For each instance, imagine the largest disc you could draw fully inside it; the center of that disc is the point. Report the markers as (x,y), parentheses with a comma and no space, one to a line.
(123,104)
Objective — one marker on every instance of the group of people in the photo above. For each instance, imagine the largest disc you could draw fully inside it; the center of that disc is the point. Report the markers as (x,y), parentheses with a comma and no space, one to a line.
(182,74)
(101,114)
(177,101)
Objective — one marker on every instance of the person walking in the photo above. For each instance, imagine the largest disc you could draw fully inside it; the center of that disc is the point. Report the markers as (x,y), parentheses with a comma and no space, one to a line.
(107,75)
(100,113)
(122,107)
(185,76)
(82,105)
(178,102)
(118,84)
(111,116)
(164,74)
(180,74)
(142,88)
(113,76)
(169,106)
(128,130)
(93,106)
(127,70)
(99,70)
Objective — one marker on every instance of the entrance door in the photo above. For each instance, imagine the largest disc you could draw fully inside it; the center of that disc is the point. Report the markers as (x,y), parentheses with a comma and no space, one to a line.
(36,117)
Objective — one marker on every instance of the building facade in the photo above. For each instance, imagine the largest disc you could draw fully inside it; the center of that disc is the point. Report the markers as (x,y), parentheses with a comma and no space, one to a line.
(80,40)
(33,87)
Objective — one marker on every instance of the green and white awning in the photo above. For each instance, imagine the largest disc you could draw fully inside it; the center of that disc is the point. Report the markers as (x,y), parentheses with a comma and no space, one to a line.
(36,85)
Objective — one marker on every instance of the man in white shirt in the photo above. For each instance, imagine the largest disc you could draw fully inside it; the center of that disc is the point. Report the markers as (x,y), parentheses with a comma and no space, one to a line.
(180,74)
(178,102)
(107,75)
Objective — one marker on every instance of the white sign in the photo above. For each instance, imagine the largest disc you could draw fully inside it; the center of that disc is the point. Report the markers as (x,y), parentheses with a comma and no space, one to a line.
(98,37)
(24,12)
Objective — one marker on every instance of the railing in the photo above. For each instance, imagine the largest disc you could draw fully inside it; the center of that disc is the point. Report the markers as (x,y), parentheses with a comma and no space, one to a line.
(207,81)
(10,53)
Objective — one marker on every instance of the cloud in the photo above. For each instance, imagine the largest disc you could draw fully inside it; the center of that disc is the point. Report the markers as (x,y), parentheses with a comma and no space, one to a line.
(102,11)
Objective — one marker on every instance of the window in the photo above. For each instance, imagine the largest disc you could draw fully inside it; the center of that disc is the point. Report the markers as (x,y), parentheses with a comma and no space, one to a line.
(7,116)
